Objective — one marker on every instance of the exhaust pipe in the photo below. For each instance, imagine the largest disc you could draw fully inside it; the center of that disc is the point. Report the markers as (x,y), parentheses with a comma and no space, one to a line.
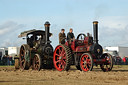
(95,31)
(47,28)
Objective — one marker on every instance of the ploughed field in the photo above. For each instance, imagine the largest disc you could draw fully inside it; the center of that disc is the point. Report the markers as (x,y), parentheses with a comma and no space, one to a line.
(10,76)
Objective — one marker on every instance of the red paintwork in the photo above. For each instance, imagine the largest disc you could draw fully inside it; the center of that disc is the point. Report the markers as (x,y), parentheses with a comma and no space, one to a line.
(59,58)
(86,40)
(80,45)
(99,61)
(77,46)
(85,66)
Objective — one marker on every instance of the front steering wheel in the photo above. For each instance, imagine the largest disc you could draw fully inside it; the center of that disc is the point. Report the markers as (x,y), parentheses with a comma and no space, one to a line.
(81,36)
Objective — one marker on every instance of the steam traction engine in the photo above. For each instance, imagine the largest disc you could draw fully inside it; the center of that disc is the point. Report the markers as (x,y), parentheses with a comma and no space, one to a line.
(84,52)
(38,52)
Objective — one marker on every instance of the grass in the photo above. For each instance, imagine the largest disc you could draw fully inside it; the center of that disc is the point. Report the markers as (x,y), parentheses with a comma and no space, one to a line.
(6,66)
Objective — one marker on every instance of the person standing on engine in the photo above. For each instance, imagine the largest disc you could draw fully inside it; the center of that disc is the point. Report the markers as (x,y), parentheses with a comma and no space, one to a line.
(62,37)
(70,36)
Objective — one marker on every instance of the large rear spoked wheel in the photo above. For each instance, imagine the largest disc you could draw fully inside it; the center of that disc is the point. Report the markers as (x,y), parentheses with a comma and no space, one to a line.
(37,62)
(108,65)
(86,62)
(24,52)
(62,58)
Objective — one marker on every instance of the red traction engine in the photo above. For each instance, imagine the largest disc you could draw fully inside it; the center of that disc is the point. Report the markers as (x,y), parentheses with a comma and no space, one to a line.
(84,52)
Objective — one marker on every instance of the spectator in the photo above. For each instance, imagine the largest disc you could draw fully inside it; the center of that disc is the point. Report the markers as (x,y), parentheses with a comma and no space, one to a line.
(124,60)
(10,60)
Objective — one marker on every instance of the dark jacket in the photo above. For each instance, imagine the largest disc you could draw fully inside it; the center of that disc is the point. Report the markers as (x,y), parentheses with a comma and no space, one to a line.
(70,36)
(62,37)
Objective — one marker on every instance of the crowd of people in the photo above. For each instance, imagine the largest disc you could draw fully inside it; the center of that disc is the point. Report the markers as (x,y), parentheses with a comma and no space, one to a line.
(125,60)
(6,60)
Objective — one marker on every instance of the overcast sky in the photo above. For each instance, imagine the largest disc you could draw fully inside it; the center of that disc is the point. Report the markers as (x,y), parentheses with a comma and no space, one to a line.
(17,16)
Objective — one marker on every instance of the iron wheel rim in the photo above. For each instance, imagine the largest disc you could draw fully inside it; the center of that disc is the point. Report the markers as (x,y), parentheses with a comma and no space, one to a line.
(36,62)
(108,65)
(22,57)
(85,63)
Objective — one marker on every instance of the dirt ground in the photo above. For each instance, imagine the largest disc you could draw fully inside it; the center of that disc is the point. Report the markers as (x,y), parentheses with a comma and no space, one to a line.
(10,76)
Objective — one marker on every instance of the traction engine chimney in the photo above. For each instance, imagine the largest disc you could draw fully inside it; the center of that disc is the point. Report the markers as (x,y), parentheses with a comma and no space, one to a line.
(95,31)
(47,28)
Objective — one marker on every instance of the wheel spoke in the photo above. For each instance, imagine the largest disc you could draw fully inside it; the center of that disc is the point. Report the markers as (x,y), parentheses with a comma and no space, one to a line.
(63,66)
(37,65)
(58,61)
(89,60)
(57,58)
(59,66)
(89,63)
(62,51)
(21,54)
(59,51)
(63,62)
(84,58)
(57,55)
(82,63)
(64,57)
(86,68)
(23,51)
(37,60)
(22,60)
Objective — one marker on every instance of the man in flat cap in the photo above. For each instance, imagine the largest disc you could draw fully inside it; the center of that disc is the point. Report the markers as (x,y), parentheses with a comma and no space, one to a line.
(62,37)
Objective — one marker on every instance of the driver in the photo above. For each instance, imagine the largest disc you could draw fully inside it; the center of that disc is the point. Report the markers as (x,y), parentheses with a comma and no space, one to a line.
(70,36)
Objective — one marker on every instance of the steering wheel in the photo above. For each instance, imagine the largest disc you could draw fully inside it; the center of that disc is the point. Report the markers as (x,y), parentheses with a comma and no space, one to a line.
(81,36)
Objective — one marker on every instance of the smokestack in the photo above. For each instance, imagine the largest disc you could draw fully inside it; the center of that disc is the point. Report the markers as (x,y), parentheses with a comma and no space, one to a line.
(47,28)
(95,31)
